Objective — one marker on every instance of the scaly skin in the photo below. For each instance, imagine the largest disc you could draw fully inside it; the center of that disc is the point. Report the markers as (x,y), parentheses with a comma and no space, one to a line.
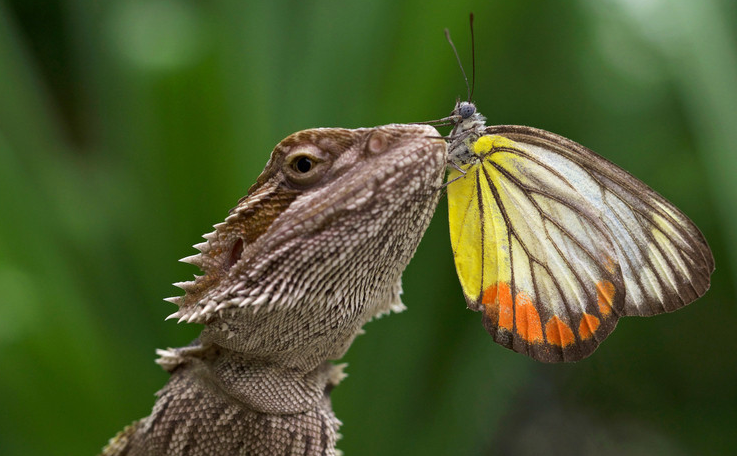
(297,268)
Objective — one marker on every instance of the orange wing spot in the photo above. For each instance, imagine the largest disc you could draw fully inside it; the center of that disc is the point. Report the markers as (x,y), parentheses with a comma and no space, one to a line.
(490,303)
(497,300)
(489,297)
(589,324)
(558,332)
(527,319)
(505,306)
(605,295)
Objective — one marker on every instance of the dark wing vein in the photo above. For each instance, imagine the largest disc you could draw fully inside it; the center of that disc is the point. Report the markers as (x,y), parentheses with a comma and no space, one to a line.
(482,227)
(534,159)
(647,216)
(587,160)
(533,258)
(529,191)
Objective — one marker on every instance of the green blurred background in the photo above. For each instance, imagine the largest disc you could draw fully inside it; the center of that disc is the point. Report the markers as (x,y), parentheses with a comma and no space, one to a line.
(128,128)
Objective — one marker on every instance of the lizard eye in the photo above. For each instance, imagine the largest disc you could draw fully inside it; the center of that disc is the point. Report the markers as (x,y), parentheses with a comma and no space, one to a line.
(303,164)
(303,168)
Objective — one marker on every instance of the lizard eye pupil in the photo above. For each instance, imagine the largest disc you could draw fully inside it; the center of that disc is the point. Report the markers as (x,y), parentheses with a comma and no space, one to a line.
(303,165)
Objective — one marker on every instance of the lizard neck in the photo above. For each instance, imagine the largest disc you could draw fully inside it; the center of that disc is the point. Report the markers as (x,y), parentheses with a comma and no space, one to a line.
(255,383)
(237,404)
(298,342)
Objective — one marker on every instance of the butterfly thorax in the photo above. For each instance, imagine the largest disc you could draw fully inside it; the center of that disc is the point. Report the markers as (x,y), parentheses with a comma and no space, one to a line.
(468,126)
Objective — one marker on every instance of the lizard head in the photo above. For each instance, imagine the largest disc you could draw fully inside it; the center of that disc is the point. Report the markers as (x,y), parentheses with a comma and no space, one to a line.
(323,235)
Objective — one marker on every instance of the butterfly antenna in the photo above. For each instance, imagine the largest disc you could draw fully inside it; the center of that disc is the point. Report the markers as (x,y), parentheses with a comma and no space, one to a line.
(458,59)
(473,59)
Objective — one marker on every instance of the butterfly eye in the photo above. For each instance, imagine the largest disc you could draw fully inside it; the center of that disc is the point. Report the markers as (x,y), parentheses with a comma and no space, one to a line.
(466,110)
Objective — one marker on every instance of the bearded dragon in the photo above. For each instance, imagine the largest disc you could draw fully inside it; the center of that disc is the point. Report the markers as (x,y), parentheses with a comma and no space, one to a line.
(312,252)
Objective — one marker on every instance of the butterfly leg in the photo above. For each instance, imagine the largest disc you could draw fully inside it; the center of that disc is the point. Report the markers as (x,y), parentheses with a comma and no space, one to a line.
(457,168)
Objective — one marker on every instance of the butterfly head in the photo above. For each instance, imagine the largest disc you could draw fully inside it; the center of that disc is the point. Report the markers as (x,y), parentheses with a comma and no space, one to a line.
(465,109)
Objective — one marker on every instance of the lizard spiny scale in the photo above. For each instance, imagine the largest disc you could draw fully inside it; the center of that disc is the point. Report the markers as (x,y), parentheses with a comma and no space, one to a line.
(312,252)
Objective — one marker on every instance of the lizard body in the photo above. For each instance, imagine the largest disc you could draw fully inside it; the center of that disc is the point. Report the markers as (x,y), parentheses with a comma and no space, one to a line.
(314,251)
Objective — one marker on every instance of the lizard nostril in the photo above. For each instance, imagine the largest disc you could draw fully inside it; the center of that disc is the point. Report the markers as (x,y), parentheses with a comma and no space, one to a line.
(235,254)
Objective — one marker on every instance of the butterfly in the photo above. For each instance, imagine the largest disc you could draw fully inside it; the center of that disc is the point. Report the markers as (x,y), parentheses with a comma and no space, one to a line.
(554,243)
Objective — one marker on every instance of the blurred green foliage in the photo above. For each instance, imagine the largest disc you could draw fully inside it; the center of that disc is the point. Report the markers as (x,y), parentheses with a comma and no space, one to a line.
(127,128)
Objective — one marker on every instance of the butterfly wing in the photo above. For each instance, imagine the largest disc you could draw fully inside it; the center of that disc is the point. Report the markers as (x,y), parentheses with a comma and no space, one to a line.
(554,243)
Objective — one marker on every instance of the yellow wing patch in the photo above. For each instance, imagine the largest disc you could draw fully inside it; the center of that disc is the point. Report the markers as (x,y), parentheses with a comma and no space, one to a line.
(554,243)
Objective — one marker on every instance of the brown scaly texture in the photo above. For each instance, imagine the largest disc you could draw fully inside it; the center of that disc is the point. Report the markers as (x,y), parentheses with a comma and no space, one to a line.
(315,250)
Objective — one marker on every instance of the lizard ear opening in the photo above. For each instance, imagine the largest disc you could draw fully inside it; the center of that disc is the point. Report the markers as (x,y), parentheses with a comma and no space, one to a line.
(235,254)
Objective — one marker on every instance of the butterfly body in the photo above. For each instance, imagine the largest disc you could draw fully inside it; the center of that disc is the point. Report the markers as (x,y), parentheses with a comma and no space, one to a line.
(553,243)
